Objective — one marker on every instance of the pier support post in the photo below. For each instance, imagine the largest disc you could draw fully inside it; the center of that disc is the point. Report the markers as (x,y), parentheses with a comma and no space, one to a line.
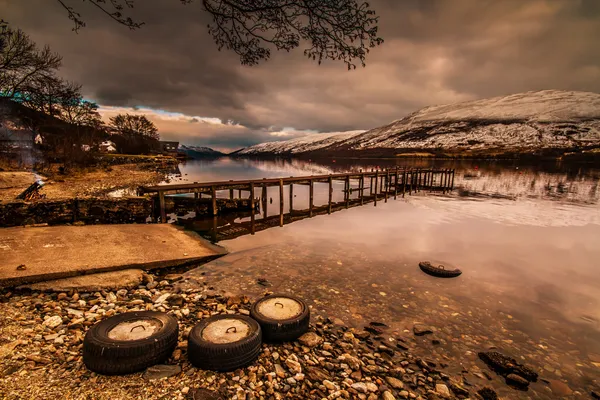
(291,198)
(281,202)
(396,183)
(347,190)
(265,201)
(163,207)
(252,219)
(452,183)
(213,194)
(387,184)
(361,183)
(404,182)
(311,191)
(376,181)
(330,181)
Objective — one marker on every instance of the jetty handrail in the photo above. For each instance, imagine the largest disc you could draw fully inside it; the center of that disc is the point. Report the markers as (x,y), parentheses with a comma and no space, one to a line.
(274,181)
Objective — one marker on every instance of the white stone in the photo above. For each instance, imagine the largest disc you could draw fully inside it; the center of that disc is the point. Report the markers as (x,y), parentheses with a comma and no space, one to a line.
(52,322)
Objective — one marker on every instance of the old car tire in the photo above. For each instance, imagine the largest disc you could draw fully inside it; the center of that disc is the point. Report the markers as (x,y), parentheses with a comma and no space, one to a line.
(130,342)
(224,342)
(286,327)
(440,271)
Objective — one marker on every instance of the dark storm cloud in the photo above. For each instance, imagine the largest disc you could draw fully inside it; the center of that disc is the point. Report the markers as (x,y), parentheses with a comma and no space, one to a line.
(436,51)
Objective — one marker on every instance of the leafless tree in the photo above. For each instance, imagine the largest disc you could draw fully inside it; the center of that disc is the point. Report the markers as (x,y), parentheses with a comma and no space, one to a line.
(342,30)
(23,64)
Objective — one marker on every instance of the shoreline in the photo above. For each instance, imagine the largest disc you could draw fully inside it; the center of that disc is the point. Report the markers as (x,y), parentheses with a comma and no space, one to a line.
(340,362)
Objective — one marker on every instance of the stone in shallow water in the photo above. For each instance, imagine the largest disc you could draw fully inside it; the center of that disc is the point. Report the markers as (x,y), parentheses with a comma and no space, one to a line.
(488,394)
(161,371)
(421,330)
(442,391)
(517,380)
(560,388)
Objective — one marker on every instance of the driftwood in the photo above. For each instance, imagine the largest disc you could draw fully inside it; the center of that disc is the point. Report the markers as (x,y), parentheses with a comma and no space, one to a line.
(32,192)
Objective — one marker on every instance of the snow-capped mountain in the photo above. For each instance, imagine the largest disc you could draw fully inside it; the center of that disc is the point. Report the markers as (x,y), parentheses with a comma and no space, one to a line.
(199,151)
(533,122)
(302,144)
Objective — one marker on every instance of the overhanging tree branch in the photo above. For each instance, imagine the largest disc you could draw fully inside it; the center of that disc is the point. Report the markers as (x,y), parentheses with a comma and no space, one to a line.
(343,30)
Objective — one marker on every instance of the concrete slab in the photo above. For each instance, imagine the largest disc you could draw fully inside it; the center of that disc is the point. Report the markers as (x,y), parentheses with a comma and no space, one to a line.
(35,254)
(114,280)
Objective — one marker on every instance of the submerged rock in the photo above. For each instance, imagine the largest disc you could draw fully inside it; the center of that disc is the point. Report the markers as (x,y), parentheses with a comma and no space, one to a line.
(504,365)
(517,380)
(487,394)
(420,329)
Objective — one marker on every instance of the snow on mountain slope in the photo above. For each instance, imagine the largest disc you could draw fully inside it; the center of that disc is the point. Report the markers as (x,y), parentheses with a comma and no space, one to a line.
(198,151)
(302,144)
(548,119)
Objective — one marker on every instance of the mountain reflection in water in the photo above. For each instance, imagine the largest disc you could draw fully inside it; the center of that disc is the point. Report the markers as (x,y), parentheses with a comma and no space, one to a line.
(526,238)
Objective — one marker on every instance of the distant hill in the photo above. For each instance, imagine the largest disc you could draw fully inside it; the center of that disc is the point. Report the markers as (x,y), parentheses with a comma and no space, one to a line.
(549,122)
(199,151)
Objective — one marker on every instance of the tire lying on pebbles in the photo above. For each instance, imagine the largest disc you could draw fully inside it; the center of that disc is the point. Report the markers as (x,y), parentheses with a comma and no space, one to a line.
(282,318)
(224,342)
(439,271)
(130,342)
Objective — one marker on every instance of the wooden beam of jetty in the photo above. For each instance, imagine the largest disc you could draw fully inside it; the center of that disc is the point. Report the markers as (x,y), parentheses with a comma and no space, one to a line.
(389,181)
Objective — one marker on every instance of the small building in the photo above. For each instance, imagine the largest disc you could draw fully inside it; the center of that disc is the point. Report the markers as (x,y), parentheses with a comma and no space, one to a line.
(168,147)
(108,147)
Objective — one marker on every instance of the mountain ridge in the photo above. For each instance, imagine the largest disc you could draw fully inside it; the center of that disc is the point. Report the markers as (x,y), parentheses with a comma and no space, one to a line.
(544,122)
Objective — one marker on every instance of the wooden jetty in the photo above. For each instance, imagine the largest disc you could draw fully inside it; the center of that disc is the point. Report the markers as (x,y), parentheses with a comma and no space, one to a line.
(381,185)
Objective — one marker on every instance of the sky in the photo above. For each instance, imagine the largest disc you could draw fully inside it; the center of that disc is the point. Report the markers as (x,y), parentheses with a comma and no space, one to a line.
(435,52)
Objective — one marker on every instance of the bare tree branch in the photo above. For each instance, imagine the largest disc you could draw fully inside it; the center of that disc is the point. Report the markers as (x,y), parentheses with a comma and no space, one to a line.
(341,30)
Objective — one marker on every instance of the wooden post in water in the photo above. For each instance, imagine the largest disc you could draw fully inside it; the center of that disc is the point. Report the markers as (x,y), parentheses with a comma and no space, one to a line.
(396,183)
(376,181)
(404,182)
(347,190)
(215,226)
(231,193)
(330,181)
(361,184)
(196,195)
(213,195)
(239,193)
(264,201)
(410,183)
(163,207)
(387,184)
(252,219)
(452,183)
(381,183)
(281,202)
(291,197)
(310,198)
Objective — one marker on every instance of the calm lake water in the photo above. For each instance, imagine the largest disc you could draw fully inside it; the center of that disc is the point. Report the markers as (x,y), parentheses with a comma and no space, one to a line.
(526,238)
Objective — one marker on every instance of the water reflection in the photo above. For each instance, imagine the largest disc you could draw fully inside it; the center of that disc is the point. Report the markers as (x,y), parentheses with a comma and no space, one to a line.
(526,238)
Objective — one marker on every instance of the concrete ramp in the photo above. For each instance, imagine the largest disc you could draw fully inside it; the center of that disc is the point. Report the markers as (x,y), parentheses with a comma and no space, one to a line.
(37,254)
